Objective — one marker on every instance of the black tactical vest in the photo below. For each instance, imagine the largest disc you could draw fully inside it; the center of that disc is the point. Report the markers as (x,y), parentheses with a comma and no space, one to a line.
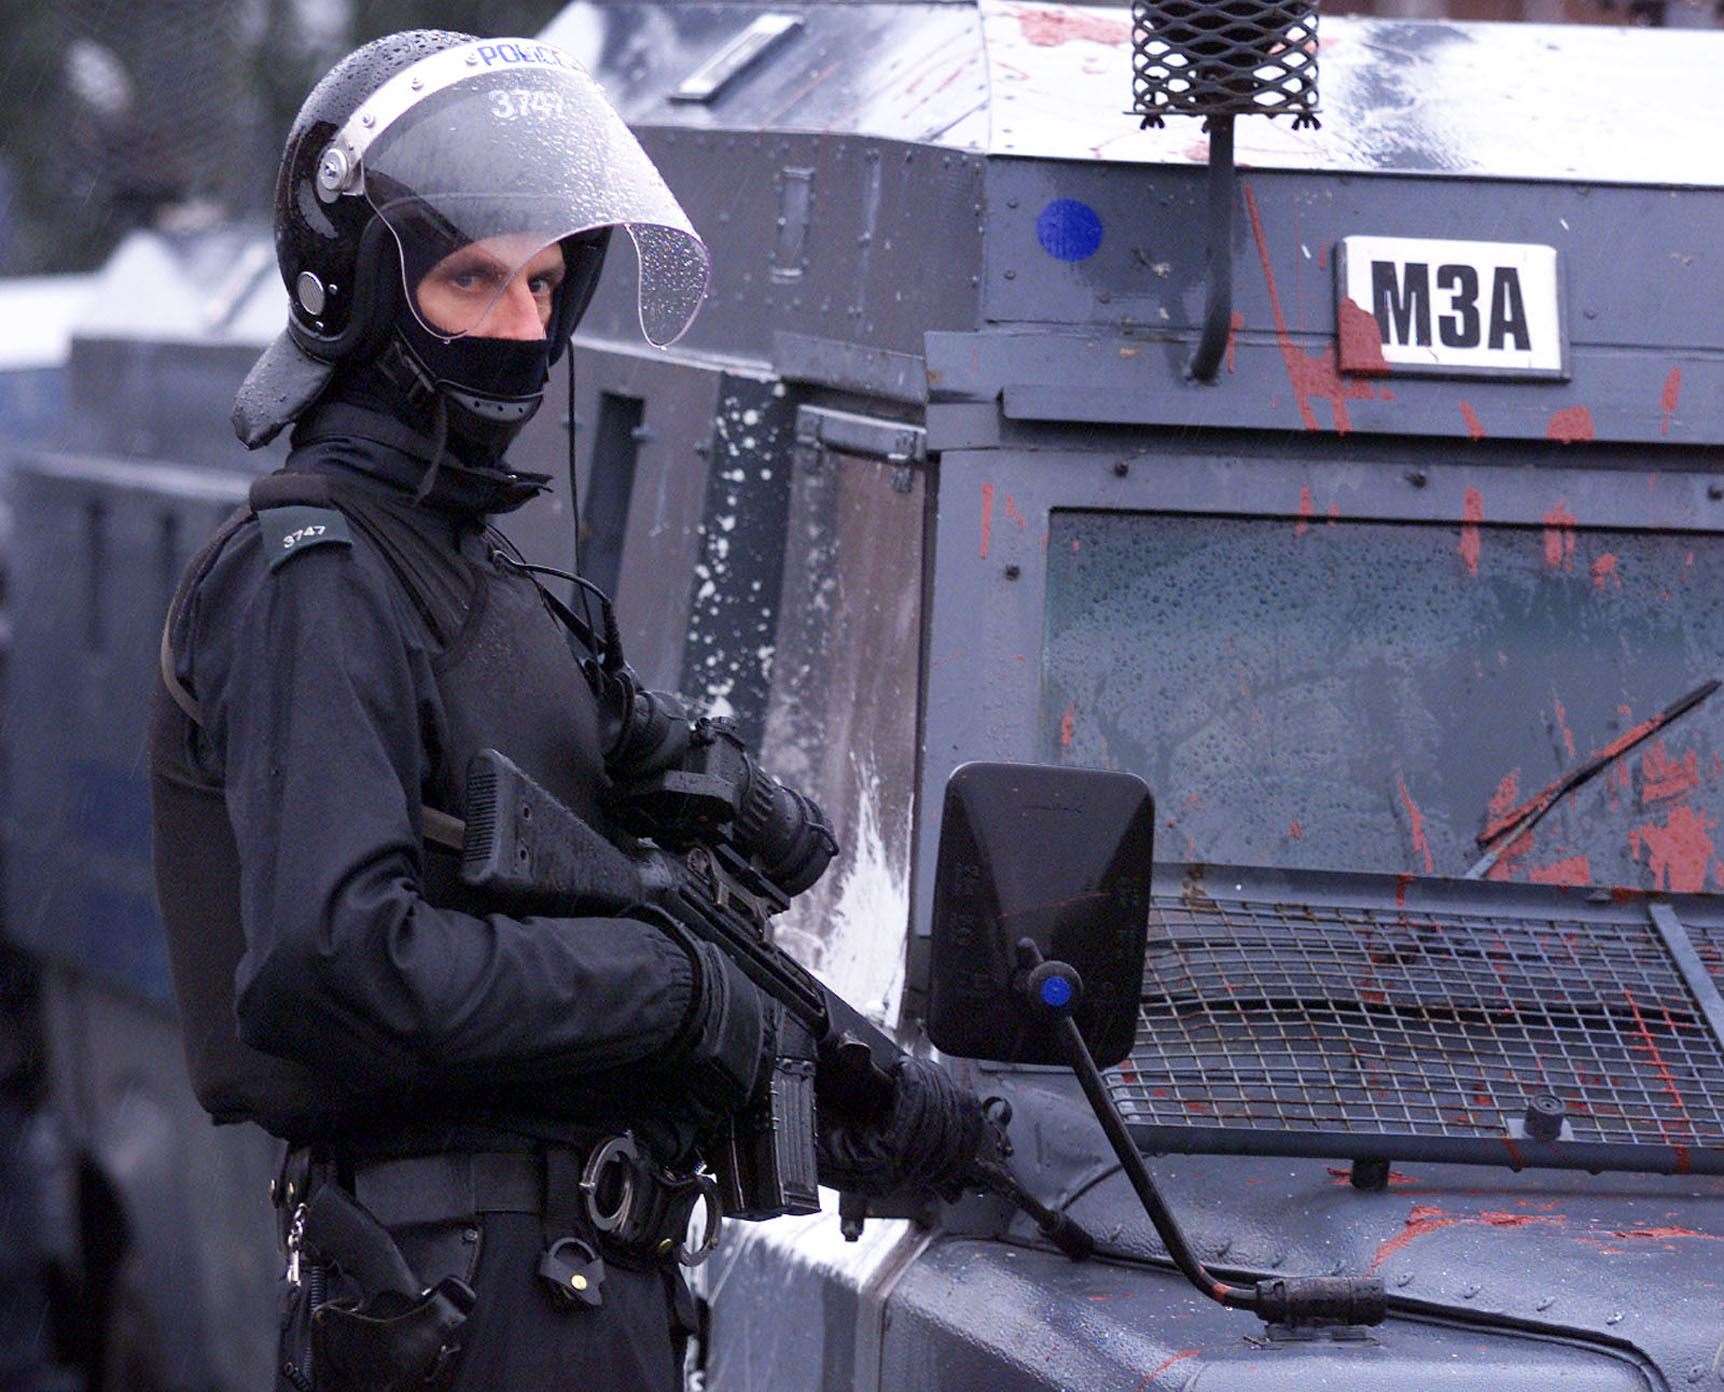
(508,680)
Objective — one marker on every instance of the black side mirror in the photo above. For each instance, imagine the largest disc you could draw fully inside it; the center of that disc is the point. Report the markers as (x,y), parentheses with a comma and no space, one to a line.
(1041,912)
(1057,856)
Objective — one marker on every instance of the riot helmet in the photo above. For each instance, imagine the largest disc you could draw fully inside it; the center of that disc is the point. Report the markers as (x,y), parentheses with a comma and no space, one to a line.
(438,194)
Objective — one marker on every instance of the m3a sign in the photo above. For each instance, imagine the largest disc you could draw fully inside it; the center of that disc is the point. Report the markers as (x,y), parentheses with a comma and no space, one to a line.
(1449,309)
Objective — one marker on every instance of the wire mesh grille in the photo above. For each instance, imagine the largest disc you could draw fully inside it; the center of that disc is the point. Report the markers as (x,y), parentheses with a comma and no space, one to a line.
(1418,1023)
(1224,58)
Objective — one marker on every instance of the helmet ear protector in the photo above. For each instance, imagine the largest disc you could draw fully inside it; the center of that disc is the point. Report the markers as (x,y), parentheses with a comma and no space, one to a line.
(376,303)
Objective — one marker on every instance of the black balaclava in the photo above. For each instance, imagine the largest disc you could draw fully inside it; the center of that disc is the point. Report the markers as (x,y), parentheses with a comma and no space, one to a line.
(471,394)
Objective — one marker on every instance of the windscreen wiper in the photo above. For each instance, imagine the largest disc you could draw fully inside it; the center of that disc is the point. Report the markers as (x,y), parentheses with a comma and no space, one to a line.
(1507,829)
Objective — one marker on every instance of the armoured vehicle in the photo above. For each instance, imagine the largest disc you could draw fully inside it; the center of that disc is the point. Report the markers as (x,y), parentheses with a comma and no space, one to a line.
(1406,618)
(1360,610)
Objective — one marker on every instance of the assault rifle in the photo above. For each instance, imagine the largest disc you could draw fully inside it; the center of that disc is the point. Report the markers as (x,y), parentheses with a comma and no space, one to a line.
(524,846)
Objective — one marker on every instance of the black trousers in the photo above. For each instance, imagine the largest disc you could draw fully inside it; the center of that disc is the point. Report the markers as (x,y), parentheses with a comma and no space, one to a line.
(521,1336)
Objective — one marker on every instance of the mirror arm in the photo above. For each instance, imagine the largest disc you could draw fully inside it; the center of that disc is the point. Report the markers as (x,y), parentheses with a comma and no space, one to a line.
(1054,989)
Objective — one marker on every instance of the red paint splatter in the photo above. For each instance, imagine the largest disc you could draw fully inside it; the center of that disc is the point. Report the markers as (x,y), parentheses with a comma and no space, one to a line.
(1508,863)
(1311,375)
(1677,853)
(1296,831)
(1559,537)
(1519,1220)
(1416,824)
(987,517)
(1234,325)
(1472,513)
(1618,774)
(1470,417)
(1576,871)
(1307,510)
(1323,258)
(1604,571)
(1051,28)
(1332,513)
(1662,777)
(1504,800)
(1562,728)
(1164,1365)
(1425,1219)
(1401,883)
(1068,726)
(1665,1234)
(1361,340)
(1668,398)
(1650,1045)
(1422,1220)
(1570,426)
(1013,513)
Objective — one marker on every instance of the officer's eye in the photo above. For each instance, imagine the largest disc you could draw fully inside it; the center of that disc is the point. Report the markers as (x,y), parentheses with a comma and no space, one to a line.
(545,283)
(473,278)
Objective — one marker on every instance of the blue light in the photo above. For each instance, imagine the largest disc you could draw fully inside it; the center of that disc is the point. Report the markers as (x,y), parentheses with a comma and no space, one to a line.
(1069,230)
(1057,992)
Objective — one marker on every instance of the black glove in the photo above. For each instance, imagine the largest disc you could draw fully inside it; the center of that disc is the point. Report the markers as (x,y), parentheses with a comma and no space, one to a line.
(725,1051)
(927,1140)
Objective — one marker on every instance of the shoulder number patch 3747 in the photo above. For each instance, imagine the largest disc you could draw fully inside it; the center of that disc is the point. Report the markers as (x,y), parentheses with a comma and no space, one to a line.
(289,530)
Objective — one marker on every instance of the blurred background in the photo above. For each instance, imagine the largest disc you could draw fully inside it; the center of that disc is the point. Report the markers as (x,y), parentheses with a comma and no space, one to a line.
(114,115)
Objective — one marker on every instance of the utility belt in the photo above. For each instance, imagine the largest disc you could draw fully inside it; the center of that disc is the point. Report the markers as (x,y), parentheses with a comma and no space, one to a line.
(364,1315)
(640,1213)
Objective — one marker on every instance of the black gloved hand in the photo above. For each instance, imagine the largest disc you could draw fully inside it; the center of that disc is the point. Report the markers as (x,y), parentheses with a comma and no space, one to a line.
(725,1053)
(927,1140)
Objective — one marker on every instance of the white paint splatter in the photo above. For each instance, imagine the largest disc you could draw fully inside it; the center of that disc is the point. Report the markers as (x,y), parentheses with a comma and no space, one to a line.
(858,940)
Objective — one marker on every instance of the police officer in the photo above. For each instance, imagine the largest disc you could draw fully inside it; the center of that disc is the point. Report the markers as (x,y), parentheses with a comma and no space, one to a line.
(447,1075)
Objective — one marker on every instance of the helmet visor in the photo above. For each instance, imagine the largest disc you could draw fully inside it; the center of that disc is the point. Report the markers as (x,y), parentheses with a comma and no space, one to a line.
(480,178)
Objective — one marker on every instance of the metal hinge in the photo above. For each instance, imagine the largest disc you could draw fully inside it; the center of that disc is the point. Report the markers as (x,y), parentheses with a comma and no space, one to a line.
(820,429)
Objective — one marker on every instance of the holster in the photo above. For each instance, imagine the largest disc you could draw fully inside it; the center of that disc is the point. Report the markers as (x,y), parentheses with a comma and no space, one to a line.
(388,1333)
(379,1346)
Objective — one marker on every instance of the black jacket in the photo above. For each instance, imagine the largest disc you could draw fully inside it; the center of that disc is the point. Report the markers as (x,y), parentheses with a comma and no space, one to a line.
(338,690)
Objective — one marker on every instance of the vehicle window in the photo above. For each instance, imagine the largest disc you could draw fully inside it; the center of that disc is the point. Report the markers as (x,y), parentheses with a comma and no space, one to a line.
(1373,695)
